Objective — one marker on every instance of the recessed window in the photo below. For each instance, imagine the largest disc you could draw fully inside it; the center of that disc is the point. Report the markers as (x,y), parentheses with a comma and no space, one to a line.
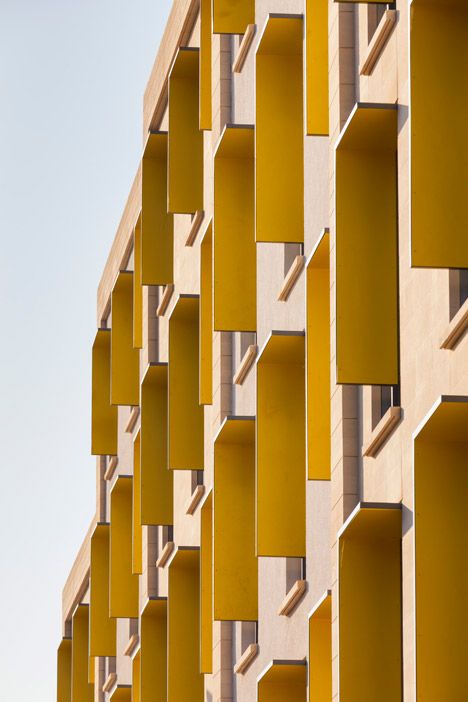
(383,397)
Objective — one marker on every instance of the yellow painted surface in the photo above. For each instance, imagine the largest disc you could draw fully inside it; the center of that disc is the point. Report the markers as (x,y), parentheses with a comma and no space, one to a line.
(370,607)
(279,138)
(91,669)
(317,67)
(125,381)
(367,249)
(121,693)
(235,256)
(206,586)
(81,690)
(235,562)
(156,479)
(439,147)
(185,161)
(64,667)
(102,628)
(284,681)
(137,289)
(157,225)
(184,680)
(320,653)
(185,413)
(318,363)
(232,16)
(281,459)
(441,533)
(153,651)
(137,550)
(205,63)
(136,678)
(103,414)
(123,584)
(206,318)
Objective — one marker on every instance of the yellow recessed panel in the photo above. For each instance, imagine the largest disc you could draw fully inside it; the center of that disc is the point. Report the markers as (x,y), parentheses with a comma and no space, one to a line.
(91,669)
(279,132)
(137,550)
(137,289)
(370,627)
(185,158)
(283,681)
(184,680)
(102,628)
(206,586)
(103,414)
(232,16)
(317,67)
(206,318)
(125,381)
(156,479)
(81,690)
(136,678)
(439,147)
(186,416)
(320,653)
(367,248)
(64,666)
(123,584)
(157,225)
(235,256)
(153,651)
(318,362)
(235,562)
(205,63)
(121,693)
(281,459)
(441,533)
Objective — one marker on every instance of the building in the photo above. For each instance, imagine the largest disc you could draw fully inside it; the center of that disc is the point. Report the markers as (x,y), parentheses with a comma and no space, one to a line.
(280,370)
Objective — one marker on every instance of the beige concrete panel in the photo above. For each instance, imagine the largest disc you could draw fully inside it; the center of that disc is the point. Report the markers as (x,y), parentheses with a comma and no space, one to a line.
(186,527)
(123,663)
(316,215)
(124,443)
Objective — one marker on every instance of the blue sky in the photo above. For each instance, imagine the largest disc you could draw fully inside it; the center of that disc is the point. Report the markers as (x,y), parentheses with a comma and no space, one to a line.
(72,77)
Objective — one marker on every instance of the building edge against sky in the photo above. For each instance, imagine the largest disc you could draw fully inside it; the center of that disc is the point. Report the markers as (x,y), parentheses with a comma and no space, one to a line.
(280,369)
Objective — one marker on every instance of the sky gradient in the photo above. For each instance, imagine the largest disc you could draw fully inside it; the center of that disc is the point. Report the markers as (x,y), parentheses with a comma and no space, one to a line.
(72,77)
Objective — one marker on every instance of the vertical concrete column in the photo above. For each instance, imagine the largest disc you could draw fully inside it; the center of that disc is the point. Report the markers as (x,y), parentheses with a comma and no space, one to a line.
(344,400)
(222,662)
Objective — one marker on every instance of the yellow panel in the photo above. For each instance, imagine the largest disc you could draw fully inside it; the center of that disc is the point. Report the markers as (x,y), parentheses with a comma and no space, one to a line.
(153,651)
(367,248)
(91,669)
(125,359)
(317,66)
(102,629)
(206,318)
(441,534)
(157,233)
(136,679)
(232,16)
(283,681)
(279,134)
(206,586)
(370,605)
(186,416)
(235,256)
(121,693)
(64,664)
(320,653)
(235,563)
(81,690)
(137,532)
(281,460)
(205,64)
(439,147)
(104,415)
(318,363)
(123,584)
(156,479)
(184,680)
(185,162)
(137,290)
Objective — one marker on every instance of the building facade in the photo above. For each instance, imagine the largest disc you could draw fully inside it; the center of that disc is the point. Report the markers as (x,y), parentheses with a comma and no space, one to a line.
(280,369)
